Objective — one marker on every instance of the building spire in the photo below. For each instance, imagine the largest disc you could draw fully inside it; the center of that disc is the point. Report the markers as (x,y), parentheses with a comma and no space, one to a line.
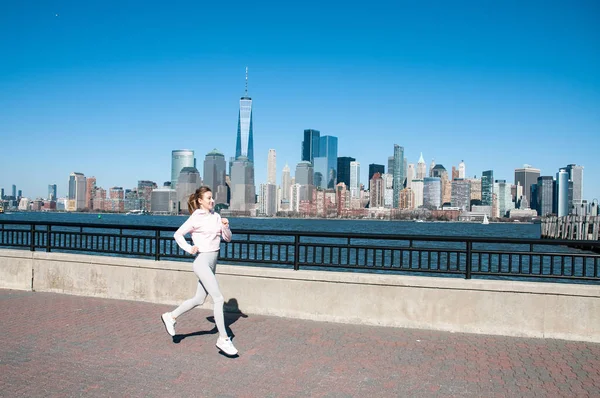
(246,92)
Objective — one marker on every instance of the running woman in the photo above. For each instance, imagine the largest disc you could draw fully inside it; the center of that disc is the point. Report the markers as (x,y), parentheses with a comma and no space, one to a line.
(207,229)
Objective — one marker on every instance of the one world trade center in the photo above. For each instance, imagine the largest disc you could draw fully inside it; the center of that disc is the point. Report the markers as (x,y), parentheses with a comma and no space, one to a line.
(245,142)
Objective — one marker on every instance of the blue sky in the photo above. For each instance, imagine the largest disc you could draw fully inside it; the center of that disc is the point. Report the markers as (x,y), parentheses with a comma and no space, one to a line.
(110,88)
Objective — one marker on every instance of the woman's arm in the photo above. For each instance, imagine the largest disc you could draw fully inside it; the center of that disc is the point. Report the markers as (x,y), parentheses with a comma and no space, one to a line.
(179,236)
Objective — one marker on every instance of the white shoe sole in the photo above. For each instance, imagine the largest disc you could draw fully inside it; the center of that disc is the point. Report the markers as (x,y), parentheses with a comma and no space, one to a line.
(166,327)
(225,352)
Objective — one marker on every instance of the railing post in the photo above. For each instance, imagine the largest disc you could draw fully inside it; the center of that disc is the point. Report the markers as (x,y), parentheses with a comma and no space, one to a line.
(468,270)
(296,252)
(157,245)
(32,238)
(48,233)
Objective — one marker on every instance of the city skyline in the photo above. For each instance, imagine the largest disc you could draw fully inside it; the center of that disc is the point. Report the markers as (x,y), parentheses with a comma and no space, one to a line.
(524,91)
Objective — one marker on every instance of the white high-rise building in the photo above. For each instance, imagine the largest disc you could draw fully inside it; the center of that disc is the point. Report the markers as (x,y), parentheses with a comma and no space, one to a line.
(295,197)
(272,167)
(286,183)
(410,174)
(417,188)
(268,199)
(180,158)
(462,169)
(421,168)
(354,180)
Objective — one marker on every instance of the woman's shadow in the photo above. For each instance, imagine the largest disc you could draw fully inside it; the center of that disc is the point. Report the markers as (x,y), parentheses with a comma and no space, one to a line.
(232,313)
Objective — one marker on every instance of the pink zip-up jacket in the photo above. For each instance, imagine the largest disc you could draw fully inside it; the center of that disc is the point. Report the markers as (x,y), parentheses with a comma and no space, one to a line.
(206,229)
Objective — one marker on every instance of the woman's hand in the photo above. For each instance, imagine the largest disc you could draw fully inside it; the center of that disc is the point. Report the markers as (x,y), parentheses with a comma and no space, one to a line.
(225,222)
(194,249)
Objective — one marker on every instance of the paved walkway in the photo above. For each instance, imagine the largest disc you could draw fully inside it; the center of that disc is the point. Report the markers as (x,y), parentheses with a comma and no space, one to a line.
(54,345)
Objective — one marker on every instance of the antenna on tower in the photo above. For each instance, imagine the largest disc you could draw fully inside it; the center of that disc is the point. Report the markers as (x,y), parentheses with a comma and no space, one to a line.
(246,94)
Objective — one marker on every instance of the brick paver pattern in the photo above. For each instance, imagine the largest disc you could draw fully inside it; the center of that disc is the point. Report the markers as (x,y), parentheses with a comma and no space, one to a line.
(56,345)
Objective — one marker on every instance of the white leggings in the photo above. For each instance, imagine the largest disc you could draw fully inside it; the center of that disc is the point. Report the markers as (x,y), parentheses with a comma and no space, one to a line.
(204,268)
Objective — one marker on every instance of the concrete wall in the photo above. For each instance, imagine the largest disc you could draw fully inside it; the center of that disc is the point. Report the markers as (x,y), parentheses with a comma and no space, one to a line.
(549,310)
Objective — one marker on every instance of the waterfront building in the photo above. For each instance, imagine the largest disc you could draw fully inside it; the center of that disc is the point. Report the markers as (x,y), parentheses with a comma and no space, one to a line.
(487,210)
(99,199)
(354,180)
(398,173)
(272,167)
(215,169)
(188,181)
(115,203)
(407,199)
(461,194)
(390,165)
(180,158)
(376,191)
(325,163)
(164,201)
(311,145)
(576,175)
(502,189)
(343,169)
(286,183)
(487,187)
(244,145)
(545,195)
(417,188)
(243,191)
(76,195)
(454,173)
(421,168)
(51,192)
(446,188)
(462,170)
(526,177)
(410,175)
(432,193)
(144,190)
(295,197)
(268,200)
(475,188)
(376,168)
(562,205)
(388,180)
(90,187)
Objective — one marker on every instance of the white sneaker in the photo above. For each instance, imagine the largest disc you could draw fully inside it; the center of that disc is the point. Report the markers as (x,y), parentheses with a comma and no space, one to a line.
(225,345)
(169,323)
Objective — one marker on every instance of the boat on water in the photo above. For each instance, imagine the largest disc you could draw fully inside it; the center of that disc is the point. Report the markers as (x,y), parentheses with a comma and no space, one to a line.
(140,212)
(419,221)
(485,220)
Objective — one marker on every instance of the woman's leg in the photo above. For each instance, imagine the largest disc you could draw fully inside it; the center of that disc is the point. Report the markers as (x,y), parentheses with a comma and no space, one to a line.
(204,268)
(195,301)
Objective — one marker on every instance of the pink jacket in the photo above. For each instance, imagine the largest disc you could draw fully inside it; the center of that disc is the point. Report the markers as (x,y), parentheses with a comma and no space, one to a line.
(206,229)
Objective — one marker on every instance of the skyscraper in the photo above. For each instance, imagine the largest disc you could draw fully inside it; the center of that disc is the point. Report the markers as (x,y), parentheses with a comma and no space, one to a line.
(421,168)
(52,192)
(398,173)
(343,169)
(354,180)
(188,181)
(526,176)
(562,193)
(76,196)
(243,191)
(325,163)
(214,175)
(180,158)
(310,145)
(272,167)
(432,193)
(545,195)
(576,175)
(462,171)
(487,187)
(286,183)
(375,168)
(244,145)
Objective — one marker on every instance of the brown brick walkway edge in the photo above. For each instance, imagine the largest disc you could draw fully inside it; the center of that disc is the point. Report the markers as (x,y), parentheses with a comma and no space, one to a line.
(54,345)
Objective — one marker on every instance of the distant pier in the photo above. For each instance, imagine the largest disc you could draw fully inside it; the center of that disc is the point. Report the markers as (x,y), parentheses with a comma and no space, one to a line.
(571,227)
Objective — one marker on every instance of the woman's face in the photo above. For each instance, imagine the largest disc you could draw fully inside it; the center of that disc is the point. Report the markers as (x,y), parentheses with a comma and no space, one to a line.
(206,202)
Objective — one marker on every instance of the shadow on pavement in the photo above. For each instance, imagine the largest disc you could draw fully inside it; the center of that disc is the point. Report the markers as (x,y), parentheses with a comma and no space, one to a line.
(232,314)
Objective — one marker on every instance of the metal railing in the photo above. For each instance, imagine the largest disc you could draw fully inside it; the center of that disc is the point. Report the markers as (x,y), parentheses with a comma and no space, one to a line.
(424,255)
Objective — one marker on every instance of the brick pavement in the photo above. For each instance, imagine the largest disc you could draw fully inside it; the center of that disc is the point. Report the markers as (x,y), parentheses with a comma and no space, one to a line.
(55,345)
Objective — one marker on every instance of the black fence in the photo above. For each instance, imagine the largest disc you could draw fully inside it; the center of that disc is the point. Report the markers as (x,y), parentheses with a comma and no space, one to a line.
(425,255)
